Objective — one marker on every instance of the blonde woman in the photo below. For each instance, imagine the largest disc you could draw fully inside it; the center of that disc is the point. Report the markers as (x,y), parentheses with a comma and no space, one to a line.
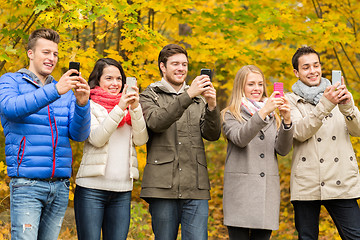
(255,135)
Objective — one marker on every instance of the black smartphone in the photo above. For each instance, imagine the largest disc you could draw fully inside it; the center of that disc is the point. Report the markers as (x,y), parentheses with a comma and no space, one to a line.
(74,65)
(206,71)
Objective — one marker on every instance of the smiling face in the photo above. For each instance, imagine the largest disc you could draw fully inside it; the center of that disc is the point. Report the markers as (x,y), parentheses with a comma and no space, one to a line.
(111,80)
(176,69)
(43,58)
(254,86)
(309,70)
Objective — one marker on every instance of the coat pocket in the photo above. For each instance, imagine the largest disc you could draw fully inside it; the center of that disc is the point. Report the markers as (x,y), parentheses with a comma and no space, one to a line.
(158,172)
(202,172)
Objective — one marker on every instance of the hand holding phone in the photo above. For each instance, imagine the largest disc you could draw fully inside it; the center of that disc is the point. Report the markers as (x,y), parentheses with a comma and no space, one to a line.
(131,82)
(206,71)
(279,86)
(74,65)
(336,76)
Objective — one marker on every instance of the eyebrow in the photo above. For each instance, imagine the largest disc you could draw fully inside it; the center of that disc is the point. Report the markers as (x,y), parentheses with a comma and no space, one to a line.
(307,64)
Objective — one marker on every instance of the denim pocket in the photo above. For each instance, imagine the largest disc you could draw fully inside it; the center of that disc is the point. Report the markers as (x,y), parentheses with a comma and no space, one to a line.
(22,182)
(66,183)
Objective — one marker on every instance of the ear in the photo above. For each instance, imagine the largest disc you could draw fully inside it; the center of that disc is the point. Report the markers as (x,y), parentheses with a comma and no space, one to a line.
(30,54)
(296,73)
(163,68)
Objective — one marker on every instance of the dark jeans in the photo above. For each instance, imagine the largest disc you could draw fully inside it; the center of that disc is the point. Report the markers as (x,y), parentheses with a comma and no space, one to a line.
(167,214)
(97,210)
(344,212)
(238,233)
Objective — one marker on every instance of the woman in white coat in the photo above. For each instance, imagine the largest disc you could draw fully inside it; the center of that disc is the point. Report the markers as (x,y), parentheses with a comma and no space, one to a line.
(255,136)
(109,164)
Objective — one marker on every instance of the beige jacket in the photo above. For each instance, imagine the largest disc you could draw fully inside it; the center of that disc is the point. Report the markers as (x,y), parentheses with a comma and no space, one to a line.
(103,125)
(324,164)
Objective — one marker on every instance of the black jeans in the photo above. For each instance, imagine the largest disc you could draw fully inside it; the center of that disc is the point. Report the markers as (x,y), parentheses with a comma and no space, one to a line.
(239,233)
(344,212)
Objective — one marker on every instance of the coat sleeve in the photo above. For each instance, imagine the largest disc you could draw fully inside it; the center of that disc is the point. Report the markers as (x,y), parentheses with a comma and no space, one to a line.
(101,130)
(210,124)
(140,134)
(14,105)
(241,133)
(79,123)
(159,118)
(308,123)
(352,117)
(284,140)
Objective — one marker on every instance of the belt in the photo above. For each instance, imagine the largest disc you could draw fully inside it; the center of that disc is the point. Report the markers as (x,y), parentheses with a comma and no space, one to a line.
(45,179)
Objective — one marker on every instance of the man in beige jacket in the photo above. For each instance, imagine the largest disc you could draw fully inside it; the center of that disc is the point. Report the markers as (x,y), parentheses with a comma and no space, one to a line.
(324,168)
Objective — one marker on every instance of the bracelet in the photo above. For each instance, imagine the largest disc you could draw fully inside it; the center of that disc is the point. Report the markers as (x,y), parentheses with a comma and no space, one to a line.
(287,126)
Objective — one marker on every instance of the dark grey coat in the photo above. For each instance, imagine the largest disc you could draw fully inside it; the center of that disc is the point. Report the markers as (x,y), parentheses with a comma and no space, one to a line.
(251,178)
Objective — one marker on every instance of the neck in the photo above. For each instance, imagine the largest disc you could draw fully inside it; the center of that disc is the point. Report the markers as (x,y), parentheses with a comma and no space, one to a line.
(40,77)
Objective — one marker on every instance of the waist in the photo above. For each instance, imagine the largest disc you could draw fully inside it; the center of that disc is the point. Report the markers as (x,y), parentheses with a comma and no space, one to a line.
(45,179)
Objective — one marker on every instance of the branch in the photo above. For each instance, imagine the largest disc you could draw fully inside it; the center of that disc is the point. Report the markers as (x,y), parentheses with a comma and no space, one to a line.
(348,58)
(342,69)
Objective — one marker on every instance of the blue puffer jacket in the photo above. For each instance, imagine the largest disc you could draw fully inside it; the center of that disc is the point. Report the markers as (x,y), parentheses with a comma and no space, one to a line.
(37,124)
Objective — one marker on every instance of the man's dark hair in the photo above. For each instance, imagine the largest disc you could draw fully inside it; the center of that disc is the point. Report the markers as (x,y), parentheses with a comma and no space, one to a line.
(300,52)
(97,72)
(45,33)
(168,51)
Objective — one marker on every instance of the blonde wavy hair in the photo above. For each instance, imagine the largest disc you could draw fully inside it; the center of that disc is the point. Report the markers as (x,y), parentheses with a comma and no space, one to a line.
(238,92)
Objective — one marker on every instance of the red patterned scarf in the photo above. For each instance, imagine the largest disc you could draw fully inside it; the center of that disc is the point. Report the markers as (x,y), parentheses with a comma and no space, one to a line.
(108,101)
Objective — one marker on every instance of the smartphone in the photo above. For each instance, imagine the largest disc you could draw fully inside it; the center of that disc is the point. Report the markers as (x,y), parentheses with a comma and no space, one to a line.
(131,82)
(336,76)
(279,86)
(206,71)
(74,65)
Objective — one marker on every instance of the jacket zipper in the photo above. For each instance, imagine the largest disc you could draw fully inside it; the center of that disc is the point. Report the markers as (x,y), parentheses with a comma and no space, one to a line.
(22,142)
(52,139)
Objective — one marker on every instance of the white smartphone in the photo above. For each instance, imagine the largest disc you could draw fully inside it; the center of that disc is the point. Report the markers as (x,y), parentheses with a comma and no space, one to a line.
(336,76)
(131,82)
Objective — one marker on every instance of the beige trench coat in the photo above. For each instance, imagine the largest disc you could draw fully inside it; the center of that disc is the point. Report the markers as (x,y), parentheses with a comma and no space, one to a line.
(251,177)
(324,165)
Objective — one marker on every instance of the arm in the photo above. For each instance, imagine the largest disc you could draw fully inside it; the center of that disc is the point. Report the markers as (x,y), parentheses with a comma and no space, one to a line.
(140,134)
(159,119)
(14,105)
(101,131)
(79,121)
(352,117)
(210,124)
(284,140)
(241,133)
(306,126)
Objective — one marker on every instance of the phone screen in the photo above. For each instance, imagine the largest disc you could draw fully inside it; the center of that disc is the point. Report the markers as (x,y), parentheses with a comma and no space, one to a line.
(336,76)
(74,65)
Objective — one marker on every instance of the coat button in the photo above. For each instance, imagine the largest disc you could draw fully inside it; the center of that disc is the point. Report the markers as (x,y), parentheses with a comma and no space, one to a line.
(303,159)
(351,158)
(156,161)
(321,160)
(262,137)
(262,155)
(330,115)
(338,182)
(319,139)
(334,138)
(322,184)
(336,159)
(262,174)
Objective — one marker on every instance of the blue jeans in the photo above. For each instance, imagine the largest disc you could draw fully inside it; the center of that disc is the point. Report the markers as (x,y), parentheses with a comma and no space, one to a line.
(167,214)
(344,212)
(37,208)
(99,209)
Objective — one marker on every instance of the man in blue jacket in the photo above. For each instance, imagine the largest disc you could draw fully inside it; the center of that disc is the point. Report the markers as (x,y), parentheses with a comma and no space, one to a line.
(39,115)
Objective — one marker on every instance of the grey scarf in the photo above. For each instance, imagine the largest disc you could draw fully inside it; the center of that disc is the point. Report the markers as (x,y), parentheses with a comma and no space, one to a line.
(311,94)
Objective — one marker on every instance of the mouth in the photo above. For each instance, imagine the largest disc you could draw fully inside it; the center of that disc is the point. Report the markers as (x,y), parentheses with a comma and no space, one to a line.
(113,90)
(49,65)
(313,78)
